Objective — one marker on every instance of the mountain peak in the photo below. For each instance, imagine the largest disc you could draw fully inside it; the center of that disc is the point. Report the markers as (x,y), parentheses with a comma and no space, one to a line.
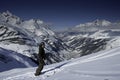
(8,17)
(7,13)
(101,22)
(96,22)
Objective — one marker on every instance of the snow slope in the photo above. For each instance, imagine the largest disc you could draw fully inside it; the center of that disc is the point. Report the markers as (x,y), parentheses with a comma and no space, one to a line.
(10,60)
(103,65)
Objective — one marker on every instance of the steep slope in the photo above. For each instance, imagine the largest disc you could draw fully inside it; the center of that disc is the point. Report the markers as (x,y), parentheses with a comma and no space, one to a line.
(103,65)
(10,60)
(24,37)
(92,37)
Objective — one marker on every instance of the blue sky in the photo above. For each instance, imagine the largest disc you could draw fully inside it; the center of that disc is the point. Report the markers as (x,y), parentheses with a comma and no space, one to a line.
(63,13)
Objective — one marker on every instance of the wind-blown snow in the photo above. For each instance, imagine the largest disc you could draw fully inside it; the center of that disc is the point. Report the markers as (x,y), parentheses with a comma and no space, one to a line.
(103,65)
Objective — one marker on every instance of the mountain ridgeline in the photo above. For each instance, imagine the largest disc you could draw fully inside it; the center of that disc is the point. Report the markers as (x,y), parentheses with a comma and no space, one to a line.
(23,37)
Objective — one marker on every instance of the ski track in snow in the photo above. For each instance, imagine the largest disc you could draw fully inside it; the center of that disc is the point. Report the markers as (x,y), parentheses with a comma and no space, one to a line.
(96,74)
(21,77)
(30,75)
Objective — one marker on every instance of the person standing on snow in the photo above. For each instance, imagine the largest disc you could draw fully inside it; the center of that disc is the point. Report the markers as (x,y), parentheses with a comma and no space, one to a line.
(41,58)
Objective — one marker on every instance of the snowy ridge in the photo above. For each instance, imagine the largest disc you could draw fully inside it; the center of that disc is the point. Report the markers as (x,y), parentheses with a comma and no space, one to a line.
(96,23)
(103,65)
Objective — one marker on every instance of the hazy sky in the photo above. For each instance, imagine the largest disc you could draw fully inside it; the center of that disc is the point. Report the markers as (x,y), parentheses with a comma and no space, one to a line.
(63,13)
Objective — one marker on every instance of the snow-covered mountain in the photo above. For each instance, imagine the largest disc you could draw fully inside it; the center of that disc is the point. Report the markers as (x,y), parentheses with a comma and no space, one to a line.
(103,65)
(23,37)
(92,37)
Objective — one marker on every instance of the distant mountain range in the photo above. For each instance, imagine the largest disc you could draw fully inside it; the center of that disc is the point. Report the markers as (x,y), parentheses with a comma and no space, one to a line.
(92,37)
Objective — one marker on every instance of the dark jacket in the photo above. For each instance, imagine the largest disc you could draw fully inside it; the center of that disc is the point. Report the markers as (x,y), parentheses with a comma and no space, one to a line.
(41,54)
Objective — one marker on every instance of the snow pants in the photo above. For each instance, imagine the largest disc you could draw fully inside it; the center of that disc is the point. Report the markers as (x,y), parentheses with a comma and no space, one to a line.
(40,67)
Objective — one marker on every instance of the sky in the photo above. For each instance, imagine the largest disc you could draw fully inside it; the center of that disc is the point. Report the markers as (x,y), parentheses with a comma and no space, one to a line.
(63,14)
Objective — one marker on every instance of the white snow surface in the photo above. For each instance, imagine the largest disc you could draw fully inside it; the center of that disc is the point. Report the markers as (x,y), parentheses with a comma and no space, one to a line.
(103,65)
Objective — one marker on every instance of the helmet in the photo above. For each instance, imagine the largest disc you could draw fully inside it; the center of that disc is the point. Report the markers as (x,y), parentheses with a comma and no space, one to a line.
(42,44)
